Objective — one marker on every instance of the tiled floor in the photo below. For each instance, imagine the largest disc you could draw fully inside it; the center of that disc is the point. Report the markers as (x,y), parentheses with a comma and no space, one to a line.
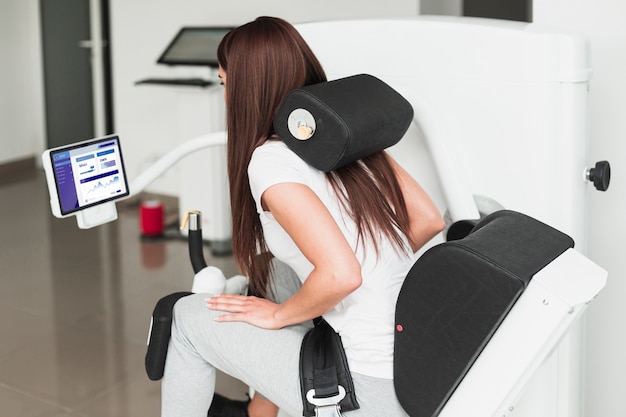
(75,307)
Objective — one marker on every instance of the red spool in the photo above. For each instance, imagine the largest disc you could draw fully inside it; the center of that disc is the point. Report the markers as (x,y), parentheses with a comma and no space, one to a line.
(151,218)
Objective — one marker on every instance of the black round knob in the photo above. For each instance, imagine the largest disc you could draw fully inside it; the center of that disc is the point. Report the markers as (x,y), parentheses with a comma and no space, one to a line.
(600,175)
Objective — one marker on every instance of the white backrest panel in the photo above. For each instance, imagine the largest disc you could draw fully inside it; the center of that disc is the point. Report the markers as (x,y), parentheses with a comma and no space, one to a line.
(501,107)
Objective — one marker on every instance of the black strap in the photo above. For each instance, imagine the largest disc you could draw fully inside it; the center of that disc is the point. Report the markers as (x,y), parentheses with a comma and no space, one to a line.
(324,368)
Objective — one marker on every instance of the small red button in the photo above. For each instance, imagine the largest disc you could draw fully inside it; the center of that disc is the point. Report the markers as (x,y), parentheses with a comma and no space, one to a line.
(399,327)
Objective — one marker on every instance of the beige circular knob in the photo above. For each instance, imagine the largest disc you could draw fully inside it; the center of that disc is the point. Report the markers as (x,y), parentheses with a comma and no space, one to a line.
(301,124)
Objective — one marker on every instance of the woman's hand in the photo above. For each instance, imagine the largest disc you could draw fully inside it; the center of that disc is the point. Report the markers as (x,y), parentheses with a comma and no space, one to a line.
(259,312)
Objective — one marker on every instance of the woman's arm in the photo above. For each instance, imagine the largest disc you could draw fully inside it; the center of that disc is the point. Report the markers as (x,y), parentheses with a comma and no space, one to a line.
(424,217)
(336,271)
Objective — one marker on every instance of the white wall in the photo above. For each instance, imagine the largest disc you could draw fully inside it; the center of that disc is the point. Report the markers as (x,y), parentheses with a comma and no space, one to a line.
(148,118)
(21,91)
(604,22)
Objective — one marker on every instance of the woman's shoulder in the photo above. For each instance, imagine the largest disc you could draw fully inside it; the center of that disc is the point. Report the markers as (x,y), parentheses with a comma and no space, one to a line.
(274,153)
(273,163)
(273,147)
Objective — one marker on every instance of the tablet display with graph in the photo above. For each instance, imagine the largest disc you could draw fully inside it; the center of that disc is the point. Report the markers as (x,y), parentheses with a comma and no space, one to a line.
(85,174)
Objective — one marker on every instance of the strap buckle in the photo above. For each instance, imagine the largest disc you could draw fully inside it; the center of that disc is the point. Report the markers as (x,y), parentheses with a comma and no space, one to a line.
(328,406)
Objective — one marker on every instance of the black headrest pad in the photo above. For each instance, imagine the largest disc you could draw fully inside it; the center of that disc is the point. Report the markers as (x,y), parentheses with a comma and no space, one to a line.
(353,117)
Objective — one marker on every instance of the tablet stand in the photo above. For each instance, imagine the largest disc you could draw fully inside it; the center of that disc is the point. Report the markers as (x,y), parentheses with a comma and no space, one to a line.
(96,215)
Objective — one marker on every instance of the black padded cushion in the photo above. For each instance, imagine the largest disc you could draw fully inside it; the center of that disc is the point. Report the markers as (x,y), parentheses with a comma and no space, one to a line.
(354,116)
(455,297)
(160,333)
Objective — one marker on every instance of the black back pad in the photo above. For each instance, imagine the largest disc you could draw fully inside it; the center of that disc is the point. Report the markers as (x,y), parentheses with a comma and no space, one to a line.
(353,117)
(455,297)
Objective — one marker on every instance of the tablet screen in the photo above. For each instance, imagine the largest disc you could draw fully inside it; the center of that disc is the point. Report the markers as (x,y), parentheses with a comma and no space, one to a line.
(88,173)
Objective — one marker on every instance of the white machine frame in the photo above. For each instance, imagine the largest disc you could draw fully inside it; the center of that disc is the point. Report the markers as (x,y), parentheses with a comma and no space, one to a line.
(500,112)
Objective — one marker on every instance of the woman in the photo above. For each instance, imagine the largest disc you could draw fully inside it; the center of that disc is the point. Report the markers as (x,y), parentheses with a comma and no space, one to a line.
(349,235)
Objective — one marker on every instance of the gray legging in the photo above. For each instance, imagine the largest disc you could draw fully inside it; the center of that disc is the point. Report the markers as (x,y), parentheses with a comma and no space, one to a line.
(266,360)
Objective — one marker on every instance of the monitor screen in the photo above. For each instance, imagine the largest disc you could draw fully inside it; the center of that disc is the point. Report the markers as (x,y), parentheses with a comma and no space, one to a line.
(194,46)
(88,173)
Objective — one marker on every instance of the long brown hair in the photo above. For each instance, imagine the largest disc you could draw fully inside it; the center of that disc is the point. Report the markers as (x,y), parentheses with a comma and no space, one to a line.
(264,60)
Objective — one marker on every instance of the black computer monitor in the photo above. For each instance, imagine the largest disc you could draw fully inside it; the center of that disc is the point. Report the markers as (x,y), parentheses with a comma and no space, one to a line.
(194,46)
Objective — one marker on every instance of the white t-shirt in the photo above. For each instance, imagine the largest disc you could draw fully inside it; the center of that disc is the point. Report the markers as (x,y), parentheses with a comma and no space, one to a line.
(364,319)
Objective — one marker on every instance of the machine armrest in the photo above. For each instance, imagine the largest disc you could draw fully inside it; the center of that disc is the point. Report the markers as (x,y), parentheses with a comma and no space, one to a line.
(159,336)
